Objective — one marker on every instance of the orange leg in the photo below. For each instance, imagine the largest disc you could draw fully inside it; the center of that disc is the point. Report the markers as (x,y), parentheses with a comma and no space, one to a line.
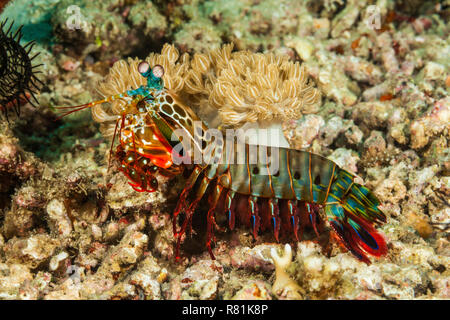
(112,144)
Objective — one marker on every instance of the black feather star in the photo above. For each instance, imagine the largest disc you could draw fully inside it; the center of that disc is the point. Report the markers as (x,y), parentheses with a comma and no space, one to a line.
(18,81)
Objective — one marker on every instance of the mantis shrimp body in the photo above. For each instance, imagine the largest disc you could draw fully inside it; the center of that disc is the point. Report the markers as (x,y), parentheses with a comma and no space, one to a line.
(288,199)
(158,135)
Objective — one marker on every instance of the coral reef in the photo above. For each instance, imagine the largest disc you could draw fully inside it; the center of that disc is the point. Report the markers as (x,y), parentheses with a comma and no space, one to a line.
(72,229)
(18,80)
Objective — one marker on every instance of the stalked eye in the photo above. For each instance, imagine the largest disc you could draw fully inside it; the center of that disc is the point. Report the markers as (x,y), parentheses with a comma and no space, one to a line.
(143,67)
(158,71)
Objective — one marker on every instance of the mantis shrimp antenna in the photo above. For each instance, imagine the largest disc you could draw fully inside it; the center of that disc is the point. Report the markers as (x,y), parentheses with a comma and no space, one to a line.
(72,109)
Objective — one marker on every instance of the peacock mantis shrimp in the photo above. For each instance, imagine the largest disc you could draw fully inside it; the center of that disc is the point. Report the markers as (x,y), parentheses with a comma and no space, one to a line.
(159,134)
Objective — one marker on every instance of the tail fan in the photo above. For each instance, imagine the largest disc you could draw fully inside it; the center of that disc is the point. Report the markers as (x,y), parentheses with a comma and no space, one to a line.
(357,235)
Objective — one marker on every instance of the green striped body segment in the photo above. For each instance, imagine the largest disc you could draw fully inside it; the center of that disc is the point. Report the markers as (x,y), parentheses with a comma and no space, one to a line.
(361,202)
(292,175)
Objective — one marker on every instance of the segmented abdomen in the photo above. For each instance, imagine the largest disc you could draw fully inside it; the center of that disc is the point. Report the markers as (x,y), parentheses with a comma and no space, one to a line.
(290,174)
(350,208)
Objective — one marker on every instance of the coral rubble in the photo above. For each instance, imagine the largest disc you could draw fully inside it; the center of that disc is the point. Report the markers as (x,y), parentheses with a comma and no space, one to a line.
(72,228)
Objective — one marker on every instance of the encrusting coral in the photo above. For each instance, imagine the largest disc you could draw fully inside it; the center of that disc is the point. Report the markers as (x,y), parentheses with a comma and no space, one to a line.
(242,86)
